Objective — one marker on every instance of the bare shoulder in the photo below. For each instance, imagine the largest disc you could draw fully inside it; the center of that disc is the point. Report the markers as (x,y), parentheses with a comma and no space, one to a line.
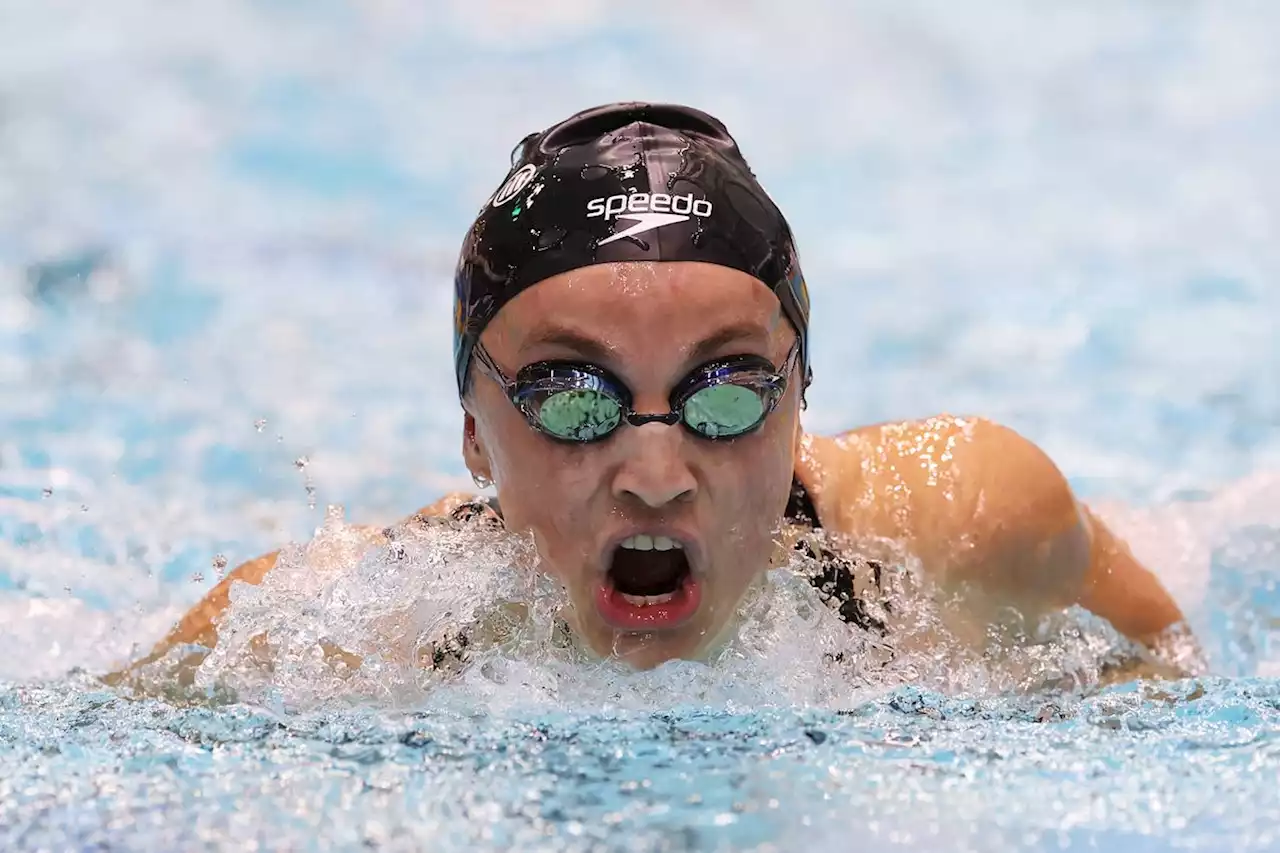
(971,462)
(984,508)
(949,485)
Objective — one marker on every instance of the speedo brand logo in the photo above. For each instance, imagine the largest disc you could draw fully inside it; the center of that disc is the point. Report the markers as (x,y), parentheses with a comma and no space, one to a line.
(647,210)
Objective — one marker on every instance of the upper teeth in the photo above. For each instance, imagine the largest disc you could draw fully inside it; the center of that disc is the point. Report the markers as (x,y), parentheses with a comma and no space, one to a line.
(643,542)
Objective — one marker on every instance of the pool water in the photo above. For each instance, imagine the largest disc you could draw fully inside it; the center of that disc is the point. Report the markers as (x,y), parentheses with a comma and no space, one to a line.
(226,239)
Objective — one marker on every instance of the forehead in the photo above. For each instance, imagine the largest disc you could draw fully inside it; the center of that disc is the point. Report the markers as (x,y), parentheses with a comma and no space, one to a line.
(634,305)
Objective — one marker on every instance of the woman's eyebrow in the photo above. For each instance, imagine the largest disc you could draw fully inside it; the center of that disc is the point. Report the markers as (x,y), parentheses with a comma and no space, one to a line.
(572,339)
(732,333)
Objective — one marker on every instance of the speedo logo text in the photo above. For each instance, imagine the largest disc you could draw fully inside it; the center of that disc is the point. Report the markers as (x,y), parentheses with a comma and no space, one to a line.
(622,204)
(647,211)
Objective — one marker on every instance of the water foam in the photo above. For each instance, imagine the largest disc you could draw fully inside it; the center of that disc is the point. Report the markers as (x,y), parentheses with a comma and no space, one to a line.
(453,615)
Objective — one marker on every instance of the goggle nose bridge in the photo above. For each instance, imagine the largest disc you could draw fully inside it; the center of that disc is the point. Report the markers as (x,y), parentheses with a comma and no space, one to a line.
(640,419)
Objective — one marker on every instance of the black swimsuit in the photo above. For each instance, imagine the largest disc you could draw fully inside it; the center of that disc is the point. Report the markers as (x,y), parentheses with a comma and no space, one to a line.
(834,574)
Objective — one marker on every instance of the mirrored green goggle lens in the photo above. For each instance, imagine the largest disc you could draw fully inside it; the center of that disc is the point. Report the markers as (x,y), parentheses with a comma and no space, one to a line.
(724,410)
(717,411)
(579,415)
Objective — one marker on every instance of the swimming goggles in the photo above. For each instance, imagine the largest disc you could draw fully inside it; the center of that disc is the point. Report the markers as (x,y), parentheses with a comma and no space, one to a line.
(580,402)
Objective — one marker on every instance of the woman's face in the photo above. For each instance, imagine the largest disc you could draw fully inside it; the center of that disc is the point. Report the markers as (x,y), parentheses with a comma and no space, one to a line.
(655,532)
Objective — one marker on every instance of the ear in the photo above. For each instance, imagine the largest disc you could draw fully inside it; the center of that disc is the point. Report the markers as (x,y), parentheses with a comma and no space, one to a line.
(473,450)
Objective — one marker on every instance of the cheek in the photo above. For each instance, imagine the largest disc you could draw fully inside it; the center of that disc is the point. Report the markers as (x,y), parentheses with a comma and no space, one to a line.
(754,486)
(541,473)
(542,486)
(766,464)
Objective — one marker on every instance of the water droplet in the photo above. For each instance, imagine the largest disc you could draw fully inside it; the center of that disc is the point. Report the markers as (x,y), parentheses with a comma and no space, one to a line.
(301,462)
(47,492)
(594,172)
(197,577)
(259,424)
(219,564)
(532,194)
(84,507)
(551,237)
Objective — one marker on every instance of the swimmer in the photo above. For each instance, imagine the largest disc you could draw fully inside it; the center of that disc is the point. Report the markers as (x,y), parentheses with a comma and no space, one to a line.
(632,355)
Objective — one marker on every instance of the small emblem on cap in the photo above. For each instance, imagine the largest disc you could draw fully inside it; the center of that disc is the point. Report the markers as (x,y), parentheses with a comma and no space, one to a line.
(517,182)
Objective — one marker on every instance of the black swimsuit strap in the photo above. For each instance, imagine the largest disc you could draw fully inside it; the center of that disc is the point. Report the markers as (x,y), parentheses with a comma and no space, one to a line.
(478,507)
(800,509)
(834,574)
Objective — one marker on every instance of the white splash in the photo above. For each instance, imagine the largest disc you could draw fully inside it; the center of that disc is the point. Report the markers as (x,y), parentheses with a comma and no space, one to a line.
(451,614)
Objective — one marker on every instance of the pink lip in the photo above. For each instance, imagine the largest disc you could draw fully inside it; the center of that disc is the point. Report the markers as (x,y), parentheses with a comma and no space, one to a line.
(623,615)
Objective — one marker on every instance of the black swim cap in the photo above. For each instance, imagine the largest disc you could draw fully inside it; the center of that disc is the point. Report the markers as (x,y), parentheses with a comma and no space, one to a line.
(623,182)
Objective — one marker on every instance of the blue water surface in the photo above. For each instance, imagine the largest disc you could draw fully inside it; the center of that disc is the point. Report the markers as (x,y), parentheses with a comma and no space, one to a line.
(226,240)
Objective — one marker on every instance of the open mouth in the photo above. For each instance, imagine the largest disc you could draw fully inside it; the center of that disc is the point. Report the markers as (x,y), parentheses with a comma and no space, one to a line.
(649,585)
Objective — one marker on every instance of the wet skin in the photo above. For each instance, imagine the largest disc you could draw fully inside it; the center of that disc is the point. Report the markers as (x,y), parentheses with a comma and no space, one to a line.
(980,507)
